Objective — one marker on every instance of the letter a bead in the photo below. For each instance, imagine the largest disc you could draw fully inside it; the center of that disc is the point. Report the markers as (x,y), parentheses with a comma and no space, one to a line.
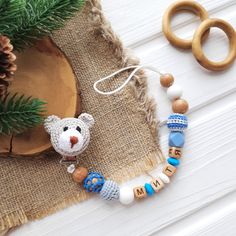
(140,192)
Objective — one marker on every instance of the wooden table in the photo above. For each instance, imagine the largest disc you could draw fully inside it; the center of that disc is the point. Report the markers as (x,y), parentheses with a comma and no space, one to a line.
(202,198)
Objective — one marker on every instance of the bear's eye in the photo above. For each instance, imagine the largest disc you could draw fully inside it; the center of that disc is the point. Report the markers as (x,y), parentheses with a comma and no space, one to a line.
(65,128)
(78,128)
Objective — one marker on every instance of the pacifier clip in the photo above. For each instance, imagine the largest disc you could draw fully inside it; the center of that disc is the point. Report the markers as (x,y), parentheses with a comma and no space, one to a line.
(177,122)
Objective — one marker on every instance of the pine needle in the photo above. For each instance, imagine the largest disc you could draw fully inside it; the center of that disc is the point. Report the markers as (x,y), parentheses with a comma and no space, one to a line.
(19,113)
(35,19)
(11,15)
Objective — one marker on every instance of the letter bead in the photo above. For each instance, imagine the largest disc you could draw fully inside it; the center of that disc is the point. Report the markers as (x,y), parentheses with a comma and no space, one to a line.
(157,184)
(175,152)
(140,192)
(169,170)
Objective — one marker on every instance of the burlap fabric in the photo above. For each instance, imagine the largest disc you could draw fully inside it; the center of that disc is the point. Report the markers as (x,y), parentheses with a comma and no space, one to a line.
(124,139)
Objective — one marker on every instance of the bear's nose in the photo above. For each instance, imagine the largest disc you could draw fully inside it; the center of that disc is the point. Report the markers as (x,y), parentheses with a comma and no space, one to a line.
(73,140)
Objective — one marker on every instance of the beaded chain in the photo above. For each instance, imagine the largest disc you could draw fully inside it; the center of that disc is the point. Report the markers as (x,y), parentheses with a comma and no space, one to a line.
(176,123)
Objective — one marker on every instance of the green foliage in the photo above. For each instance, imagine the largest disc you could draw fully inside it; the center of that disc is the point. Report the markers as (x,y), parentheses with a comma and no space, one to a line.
(10,15)
(18,113)
(25,21)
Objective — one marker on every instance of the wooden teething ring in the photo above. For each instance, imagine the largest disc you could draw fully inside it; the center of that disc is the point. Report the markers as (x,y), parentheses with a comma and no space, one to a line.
(192,6)
(197,47)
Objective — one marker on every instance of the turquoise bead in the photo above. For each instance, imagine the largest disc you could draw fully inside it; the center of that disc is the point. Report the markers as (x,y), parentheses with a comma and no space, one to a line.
(172,161)
(148,187)
(176,139)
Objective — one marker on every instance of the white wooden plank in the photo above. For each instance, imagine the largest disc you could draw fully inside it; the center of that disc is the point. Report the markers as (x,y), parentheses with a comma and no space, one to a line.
(200,86)
(197,184)
(216,219)
(137,20)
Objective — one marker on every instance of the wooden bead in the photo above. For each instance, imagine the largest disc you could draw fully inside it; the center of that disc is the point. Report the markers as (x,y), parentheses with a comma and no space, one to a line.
(157,184)
(166,80)
(79,174)
(169,170)
(175,152)
(140,192)
(180,106)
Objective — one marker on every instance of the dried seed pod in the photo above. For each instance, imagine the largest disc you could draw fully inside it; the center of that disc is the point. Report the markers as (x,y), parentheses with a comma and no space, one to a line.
(7,58)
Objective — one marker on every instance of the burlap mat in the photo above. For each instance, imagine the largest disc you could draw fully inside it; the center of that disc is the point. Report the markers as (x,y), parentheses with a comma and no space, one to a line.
(124,140)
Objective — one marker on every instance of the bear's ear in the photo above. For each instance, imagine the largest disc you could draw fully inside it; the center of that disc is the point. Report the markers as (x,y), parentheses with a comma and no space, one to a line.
(49,122)
(87,119)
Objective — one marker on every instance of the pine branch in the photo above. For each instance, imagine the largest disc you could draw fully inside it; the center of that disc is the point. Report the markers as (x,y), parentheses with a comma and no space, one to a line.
(18,113)
(38,19)
(11,15)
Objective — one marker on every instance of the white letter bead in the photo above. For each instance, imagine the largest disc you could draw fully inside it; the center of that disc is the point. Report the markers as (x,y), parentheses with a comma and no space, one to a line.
(126,195)
(174,92)
(164,178)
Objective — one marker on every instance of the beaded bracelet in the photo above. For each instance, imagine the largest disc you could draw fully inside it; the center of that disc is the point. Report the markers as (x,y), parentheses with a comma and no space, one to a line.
(176,123)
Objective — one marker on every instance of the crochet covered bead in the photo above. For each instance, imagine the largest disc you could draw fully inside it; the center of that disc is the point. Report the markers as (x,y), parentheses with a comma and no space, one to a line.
(110,190)
(150,191)
(177,122)
(94,182)
(176,139)
(173,161)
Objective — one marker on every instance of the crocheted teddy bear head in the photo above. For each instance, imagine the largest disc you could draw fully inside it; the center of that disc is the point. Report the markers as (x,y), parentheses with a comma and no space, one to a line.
(69,136)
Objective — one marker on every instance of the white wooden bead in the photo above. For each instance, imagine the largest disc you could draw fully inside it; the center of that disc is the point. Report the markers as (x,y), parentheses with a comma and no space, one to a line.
(126,195)
(164,178)
(174,92)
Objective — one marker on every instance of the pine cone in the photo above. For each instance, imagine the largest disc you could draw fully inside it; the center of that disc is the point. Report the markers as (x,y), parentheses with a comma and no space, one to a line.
(3,88)
(7,58)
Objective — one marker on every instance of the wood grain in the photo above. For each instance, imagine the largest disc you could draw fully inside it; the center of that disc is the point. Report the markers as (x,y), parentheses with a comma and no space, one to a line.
(43,72)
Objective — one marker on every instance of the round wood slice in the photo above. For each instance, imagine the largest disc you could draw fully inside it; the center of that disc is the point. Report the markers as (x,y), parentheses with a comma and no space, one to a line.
(43,72)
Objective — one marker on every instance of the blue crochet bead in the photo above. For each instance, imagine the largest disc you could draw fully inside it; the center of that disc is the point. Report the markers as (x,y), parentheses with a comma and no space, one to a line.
(150,191)
(172,161)
(94,182)
(110,190)
(177,122)
(176,139)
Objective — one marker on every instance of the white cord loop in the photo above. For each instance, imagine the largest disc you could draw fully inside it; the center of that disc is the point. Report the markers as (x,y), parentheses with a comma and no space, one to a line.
(136,68)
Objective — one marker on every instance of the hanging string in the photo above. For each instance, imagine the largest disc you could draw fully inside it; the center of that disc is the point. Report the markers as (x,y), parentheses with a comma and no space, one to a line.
(109,77)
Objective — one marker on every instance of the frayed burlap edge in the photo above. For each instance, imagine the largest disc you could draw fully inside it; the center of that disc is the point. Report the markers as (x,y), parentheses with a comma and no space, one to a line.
(147,106)
(139,84)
